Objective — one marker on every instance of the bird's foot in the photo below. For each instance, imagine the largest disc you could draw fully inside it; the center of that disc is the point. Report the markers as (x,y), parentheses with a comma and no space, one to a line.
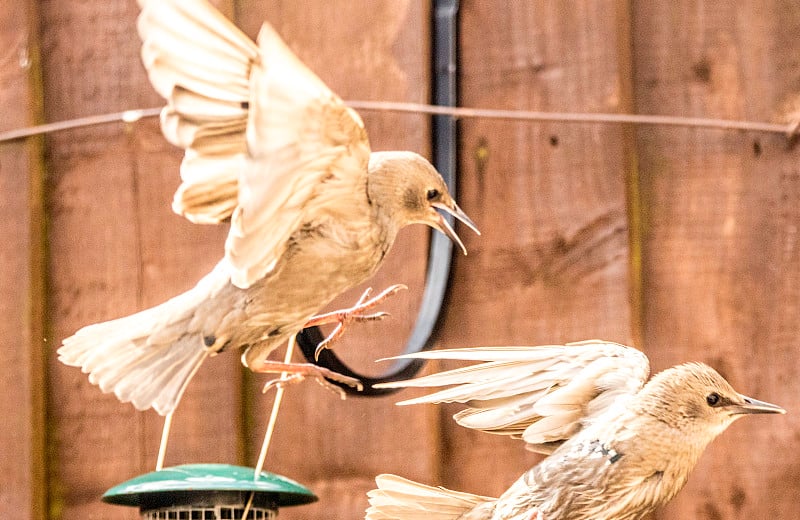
(298,372)
(358,312)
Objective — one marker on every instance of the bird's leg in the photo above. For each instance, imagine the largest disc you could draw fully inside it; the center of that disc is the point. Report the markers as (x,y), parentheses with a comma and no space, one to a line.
(297,372)
(358,312)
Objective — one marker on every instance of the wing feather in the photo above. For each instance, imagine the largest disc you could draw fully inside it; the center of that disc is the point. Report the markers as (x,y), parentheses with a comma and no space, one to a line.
(268,145)
(303,143)
(200,62)
(190,43)
(543,395)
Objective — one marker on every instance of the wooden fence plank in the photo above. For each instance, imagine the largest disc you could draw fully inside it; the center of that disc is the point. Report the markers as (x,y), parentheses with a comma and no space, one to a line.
(720,256)
(22,490)
(115,249)
(552,264)
(362,50)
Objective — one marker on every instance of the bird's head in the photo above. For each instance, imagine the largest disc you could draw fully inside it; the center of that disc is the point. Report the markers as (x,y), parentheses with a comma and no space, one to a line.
(409,188)
(696,399)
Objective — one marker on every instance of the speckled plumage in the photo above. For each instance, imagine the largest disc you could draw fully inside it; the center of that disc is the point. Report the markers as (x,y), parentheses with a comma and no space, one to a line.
(313,211)
(618,447)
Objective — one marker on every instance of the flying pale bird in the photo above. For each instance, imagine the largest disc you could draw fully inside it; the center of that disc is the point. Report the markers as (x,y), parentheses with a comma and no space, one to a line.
(618,445)
(312,210)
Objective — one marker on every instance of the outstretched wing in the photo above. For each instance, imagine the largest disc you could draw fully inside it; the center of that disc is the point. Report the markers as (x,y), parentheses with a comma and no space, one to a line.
(200,63)
(308,153)
(267,143)
(543,395)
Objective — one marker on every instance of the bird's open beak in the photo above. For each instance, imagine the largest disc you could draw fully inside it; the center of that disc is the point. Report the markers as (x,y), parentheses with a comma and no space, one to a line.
(442,225)
(750,405)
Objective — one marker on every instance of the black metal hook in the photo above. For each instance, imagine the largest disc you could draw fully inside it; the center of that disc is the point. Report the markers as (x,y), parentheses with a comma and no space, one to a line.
(441,249)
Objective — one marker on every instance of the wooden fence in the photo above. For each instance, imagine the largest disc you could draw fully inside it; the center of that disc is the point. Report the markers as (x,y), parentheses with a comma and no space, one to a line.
(681,241)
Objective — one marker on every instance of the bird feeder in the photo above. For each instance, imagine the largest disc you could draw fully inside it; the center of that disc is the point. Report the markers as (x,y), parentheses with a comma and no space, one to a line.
(208,492)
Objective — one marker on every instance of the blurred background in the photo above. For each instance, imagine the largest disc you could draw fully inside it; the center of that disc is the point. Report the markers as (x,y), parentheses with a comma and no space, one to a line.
(680,241)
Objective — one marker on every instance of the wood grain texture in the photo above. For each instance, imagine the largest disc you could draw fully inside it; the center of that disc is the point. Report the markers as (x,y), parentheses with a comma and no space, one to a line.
(552,264)
(22,489)
(115,248)
(362,50)
(720,252)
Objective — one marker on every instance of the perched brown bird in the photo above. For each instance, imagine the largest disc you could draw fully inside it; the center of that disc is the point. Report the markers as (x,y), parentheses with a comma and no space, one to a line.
(618,447)
(313,212)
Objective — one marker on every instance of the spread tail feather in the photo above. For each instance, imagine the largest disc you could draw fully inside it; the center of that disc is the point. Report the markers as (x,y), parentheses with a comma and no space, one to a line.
(398,498)
(146,358)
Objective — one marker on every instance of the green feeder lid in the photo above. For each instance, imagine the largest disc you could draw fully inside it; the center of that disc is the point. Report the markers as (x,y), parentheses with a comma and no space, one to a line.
(192,484)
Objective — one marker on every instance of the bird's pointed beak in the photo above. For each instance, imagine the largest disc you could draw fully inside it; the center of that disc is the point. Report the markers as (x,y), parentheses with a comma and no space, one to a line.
(750,406)
(443,226)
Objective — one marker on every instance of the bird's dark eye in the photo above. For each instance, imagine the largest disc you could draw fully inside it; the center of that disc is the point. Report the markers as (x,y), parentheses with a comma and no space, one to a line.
(713,399)
(432,194)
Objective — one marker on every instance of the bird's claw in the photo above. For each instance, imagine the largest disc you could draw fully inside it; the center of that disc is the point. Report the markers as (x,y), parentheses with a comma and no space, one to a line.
(298,372)
(354,313)
(282,382)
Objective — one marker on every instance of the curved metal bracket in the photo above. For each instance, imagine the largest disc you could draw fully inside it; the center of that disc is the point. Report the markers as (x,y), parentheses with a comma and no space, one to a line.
(440,253)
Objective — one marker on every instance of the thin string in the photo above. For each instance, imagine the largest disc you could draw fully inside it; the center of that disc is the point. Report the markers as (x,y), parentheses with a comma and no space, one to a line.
(276,405)
(273,418)
(129,116)
(577,117)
